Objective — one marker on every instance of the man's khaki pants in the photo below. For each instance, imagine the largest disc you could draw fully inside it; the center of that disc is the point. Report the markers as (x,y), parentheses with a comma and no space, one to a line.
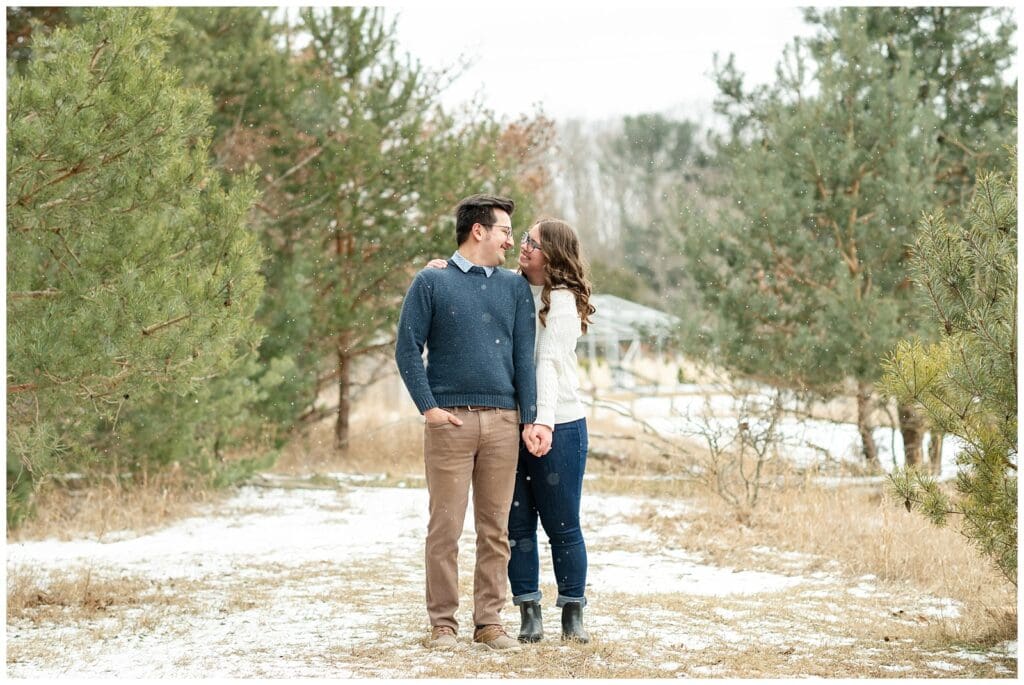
(483,451)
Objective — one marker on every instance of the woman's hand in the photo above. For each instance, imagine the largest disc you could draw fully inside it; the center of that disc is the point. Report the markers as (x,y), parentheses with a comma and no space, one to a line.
(539,442)
(437,264)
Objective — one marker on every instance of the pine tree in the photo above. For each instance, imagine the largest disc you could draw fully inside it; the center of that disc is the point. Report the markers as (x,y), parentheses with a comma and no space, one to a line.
(967,382)
(960,56)
(362,197)
(827,172)
(653,163)
(131,274)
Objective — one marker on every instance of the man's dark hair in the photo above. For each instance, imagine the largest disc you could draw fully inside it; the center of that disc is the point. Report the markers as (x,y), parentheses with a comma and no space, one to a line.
(478,209)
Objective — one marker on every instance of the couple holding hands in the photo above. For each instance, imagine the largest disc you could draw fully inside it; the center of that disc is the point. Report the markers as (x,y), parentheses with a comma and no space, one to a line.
(500,397)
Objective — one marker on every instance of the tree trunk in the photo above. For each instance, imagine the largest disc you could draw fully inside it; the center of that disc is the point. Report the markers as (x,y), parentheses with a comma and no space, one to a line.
(863,423)
(935,452)
(344,370)
(912,428)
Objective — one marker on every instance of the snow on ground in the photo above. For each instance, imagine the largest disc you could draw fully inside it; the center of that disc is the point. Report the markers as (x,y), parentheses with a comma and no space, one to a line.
(284,583)
(803,441)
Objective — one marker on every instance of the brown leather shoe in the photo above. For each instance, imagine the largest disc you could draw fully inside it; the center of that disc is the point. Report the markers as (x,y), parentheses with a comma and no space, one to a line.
(494,637)
(442,637)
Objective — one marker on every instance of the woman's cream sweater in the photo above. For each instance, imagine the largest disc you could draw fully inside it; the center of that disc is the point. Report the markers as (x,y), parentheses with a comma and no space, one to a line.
(558,398)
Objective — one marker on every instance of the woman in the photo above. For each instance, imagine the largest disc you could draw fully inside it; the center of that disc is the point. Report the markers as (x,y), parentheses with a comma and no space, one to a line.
(549,487)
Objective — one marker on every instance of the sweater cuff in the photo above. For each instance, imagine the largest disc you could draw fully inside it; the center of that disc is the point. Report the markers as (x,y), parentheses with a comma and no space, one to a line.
(424,402)
(545,417)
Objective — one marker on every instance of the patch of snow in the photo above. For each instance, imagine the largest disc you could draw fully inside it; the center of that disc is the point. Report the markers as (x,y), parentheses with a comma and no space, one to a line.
(940,607)
(358,477)
(627,531)
(298,630)
(802,441)
(863,590)
(716,669)
(632,573)
(944,666)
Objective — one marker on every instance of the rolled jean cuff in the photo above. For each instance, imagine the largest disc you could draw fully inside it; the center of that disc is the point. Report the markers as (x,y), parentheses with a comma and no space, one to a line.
(528,597)
(563,600)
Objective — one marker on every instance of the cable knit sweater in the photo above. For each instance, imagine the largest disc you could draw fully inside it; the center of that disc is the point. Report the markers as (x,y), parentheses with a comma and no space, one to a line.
(558,399)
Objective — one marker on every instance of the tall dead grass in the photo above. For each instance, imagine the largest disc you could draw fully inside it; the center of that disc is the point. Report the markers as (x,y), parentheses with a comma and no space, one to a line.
(857,524)
(870,533)
(394,448)
(80,594)
(99,506)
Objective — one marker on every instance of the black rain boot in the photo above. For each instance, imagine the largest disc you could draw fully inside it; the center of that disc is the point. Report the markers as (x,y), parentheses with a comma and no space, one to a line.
(572,623)
(532,629)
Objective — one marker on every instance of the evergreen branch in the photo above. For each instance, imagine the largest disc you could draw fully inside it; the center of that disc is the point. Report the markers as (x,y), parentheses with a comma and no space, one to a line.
(33,294)
(96,53)
(149,330)
(850,257)
(59,260)
(372,348)
(316,153)
(76,169)
(53,203)
(81,165)
(266,210)
(1013,348)
(369,288)
(295,211)
(67,247)
(957,144)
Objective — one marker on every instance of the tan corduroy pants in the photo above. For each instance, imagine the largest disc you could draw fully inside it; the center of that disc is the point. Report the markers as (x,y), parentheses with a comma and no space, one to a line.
(483,451)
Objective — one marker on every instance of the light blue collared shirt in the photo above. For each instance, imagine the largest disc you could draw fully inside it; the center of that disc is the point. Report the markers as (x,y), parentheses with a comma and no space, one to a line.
(466,265)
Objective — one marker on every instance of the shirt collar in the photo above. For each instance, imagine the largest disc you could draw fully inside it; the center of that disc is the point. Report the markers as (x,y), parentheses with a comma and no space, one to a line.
(466,265)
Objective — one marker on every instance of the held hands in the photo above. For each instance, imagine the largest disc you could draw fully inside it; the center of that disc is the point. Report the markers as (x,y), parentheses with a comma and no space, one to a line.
(537,438)
(437,416)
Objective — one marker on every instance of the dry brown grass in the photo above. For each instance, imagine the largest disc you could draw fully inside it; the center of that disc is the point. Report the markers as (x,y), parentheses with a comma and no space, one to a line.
(394,449)
(858,525)
(863,530)
(106,505)
(851,531)
(81,594)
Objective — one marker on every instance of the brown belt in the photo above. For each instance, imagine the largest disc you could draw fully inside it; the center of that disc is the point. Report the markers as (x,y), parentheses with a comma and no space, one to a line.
(469,408)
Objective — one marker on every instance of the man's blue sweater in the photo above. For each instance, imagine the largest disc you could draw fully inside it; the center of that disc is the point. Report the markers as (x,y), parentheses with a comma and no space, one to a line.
(478,332)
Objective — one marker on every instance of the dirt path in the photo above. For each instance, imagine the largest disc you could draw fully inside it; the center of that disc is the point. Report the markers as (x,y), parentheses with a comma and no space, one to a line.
(299,582)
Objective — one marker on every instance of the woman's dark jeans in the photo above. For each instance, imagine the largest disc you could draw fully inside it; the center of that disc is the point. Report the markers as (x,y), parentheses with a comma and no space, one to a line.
(550,487)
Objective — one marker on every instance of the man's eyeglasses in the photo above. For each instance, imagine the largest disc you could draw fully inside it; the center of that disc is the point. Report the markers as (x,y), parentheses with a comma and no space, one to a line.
(507,229)
(529,244)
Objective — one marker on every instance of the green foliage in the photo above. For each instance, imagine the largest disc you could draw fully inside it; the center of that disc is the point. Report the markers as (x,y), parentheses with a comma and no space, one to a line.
(132,278)
(826,172)
(25,24)
(960,56)
(362,195)
(235,53)
(621,281)
(967,382)
(652,165)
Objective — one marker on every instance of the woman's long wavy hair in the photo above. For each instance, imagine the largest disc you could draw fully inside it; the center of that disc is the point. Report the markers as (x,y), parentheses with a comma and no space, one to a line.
(564,268)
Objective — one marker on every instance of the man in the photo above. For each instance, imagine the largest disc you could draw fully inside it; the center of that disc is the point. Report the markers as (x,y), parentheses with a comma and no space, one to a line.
(479,384)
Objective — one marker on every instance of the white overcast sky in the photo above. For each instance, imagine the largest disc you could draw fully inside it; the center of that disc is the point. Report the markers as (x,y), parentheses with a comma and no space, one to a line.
(599,61)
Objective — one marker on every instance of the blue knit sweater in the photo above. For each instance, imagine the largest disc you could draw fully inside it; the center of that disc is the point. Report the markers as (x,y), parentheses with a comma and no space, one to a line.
(478,332)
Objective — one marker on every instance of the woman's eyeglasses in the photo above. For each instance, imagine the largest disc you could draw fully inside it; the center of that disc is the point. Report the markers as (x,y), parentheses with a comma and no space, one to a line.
(529,244)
